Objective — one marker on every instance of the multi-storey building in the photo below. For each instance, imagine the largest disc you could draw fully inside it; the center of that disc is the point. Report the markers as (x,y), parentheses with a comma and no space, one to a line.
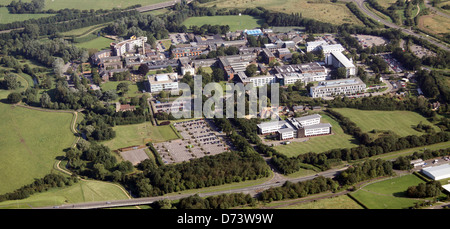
(332,88)
(130,45)
(160,82)
(306,126)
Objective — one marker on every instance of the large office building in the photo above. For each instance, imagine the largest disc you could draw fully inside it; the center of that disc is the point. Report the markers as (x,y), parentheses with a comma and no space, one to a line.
(306,126)
(314,45)
(289,74)
(131,45)
(437,172)
(332,88)
(338,60)
(257,81)
(160,82)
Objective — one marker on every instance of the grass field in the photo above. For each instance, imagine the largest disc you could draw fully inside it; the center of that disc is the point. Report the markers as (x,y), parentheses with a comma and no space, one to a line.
(388,194)
(112,85)
(98,43)
(83,191)
(340,202)
(400,122)
(140,134)
(320,144)
(235,22)
(434,24)
(6,17)
(90,4)
(31,140)
(320,10)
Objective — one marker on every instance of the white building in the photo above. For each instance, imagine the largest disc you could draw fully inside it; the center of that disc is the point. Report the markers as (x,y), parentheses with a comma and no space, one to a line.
(337,59)
(437,172)
(289,74)
(327,49)
(332,88)
(121,48)
(160,82)
(314,45)
(296,127)
(257,81)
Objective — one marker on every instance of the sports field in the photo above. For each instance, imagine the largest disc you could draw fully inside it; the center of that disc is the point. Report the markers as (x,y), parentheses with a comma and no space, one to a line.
(6,17)
(83,191)
(235,22)
(31,140)
(321,10)
(320,144)
(400,122)
(140,134)
(388,194)
(90,4)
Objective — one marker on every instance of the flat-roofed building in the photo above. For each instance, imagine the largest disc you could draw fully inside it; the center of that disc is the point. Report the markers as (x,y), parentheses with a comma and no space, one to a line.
(437,172)
(314,45)
(332,88)
(327,49)
(235,63)
(130,45)
(306,73)
(337,59)
(186,52)
(160,82)
(257,81)
(296,127)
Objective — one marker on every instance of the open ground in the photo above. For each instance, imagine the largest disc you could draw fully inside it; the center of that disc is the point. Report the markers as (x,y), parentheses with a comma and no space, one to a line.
(90,4)
(335,13)
(400,122)
(235,22)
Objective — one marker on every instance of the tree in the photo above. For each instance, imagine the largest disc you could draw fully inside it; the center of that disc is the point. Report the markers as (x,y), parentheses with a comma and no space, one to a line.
(143,69)
(251,70)
(58,65)
(45,100)
(84,56)
(122,87)
(11,82)
(14,97)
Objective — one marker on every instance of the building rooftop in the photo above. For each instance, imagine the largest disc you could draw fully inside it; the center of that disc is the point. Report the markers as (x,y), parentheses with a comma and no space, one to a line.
(320,125)
(438,171)
(308,117)
(340,82)
(343,59)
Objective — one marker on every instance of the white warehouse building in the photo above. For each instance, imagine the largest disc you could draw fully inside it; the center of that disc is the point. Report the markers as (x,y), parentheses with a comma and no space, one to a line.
(437,172)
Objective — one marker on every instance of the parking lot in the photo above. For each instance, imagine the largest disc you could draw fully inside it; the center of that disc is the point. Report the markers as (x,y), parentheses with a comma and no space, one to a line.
(420,51)
(394,65)
(199,140)
(367,41)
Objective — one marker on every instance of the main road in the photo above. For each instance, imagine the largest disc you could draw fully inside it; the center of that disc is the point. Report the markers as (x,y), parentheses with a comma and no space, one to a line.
(360,5)
(148,200)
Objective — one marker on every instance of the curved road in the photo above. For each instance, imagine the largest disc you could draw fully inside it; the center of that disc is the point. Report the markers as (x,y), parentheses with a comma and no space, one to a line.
(140,201)
(360,5)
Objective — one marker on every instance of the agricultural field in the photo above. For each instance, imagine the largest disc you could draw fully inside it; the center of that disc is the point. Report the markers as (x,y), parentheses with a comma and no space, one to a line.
(434,24)
(83,191)
(235,22)
(321,10)
(400,122)
(90,4)
(31,141)
(140,134)
(388,194)
(6,17)
(320,144)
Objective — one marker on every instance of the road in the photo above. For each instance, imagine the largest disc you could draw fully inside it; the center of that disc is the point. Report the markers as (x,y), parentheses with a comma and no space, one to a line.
(360,5)
(275,182)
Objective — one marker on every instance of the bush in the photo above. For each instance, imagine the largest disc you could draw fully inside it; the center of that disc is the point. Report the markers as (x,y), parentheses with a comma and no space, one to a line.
(14,97)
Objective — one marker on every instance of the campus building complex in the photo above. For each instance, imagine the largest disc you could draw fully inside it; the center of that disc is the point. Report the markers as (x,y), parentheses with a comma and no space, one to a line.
(289,74)
(332,88)
(160,82)
(306,126)
(121,48)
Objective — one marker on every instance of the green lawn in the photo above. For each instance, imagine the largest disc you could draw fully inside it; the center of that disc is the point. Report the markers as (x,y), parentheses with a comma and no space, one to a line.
(388,194)
(30,142)
(140,134)
(400,122)
(98,43)
(339,202)
(320,144)
(235,22)
(6,17)
(90,4)
(83,191)
(112,85)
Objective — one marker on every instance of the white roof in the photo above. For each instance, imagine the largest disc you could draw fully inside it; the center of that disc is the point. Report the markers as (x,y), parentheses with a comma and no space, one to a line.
(308,117)
(343,59)
(438,171)
(320,125)
(446,187)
